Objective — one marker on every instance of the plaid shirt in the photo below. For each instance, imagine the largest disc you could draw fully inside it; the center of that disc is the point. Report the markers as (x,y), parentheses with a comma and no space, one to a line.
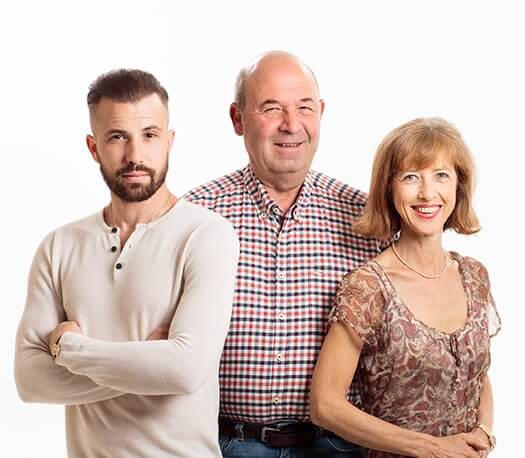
(289,269)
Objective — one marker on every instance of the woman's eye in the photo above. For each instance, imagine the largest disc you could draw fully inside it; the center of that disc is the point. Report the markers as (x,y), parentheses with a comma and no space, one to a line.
(410,178)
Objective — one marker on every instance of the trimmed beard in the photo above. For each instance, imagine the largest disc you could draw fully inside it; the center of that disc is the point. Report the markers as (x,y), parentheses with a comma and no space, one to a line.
(134,192)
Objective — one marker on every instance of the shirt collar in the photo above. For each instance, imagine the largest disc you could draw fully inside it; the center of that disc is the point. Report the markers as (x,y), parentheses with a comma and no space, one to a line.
(266,205)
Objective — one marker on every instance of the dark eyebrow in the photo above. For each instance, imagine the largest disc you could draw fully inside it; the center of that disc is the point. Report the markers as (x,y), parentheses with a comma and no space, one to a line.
(307,99)
(115,131)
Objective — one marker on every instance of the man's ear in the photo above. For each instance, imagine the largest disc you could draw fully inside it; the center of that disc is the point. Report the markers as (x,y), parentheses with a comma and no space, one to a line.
(171,137)
(236,117)
(92,147)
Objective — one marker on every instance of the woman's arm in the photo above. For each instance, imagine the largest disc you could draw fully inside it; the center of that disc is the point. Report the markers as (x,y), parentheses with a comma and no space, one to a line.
(331,410)
(485,416)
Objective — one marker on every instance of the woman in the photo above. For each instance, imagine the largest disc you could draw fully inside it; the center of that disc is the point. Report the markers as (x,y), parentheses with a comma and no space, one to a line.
(416,320)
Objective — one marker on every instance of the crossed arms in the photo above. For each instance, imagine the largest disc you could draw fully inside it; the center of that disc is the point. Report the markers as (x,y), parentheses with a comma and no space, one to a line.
(90,370)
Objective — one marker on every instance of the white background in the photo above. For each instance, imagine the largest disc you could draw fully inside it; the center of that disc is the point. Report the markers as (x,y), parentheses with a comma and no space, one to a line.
(379,63)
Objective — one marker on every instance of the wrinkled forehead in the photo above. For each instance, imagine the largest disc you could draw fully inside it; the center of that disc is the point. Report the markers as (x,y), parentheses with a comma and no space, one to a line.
(279,80)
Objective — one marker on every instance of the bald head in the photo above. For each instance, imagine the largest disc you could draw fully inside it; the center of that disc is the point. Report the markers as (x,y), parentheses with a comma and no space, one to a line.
(263,67)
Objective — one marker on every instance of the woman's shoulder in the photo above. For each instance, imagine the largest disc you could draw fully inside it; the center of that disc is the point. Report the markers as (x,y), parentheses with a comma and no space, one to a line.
(474,266)
(366,276)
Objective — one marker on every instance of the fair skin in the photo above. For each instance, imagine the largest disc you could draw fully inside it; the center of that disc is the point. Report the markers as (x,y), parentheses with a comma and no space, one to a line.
(125,135)
(280,122)
(424,199)
(132,133)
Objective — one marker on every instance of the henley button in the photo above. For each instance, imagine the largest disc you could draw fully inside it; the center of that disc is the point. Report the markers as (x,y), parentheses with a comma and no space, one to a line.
(114,230)
(118,266)
(113,249)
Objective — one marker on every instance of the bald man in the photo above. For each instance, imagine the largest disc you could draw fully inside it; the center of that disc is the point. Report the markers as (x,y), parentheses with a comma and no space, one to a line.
(296,237)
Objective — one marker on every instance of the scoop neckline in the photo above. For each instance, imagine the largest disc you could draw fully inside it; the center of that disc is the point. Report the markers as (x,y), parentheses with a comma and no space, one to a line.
(399,300)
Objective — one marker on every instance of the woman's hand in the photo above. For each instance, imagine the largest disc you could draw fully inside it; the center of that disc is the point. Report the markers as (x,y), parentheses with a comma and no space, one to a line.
(476,437)
(464,445)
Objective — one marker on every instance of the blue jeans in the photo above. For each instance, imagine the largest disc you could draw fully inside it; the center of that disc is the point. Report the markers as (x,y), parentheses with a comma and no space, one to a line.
(325,446)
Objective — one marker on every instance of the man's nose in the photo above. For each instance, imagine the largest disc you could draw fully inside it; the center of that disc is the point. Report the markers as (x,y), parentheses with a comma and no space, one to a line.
(133,154)
(290,121)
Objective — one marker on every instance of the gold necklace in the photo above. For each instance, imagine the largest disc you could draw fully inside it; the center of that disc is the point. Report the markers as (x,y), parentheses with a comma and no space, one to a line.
(406,264)
(153,218)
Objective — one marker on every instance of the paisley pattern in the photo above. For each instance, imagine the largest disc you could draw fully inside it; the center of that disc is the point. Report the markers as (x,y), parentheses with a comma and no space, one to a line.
(411,374)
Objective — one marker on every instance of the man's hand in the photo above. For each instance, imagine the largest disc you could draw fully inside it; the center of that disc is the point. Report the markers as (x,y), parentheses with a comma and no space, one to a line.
(65,326)
(160,333)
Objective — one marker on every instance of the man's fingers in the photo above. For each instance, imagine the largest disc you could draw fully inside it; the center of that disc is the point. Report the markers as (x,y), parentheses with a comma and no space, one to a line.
(160,333)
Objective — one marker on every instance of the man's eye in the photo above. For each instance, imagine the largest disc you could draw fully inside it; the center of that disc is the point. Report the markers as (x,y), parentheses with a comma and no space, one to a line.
(272,110)
(151,134)
(306,109)
(116,137)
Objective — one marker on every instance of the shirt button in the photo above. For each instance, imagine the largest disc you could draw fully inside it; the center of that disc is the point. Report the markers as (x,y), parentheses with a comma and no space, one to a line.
(280,275)
(114,230)
(118,266)
(113,249)
(276,400)
(263,215)
(275,210)
(453,403)
(279,357)
(281,316)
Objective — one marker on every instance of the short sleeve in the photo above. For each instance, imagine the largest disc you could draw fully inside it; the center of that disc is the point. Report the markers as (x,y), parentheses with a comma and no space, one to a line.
(482,290)
(360,304)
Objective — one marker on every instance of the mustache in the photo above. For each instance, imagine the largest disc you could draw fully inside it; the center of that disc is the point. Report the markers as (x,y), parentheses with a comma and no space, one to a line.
(135,168)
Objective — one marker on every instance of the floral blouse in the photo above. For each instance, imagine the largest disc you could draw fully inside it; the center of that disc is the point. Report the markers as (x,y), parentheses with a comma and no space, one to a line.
(410,374)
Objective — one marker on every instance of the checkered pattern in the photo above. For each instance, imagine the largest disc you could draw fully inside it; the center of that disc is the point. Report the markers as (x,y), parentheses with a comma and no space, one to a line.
(289,269)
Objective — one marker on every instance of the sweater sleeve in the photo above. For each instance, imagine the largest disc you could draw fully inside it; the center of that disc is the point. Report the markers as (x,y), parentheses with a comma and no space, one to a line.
(38,378)
(197,332)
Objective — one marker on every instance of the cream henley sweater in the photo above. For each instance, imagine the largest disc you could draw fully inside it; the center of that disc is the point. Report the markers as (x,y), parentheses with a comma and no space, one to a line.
(125,396)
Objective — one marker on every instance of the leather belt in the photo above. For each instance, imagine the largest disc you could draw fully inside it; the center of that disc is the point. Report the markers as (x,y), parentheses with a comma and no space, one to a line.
(278,435)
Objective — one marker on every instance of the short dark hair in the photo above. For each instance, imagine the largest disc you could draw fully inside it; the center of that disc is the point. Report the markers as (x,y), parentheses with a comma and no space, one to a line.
(125,85)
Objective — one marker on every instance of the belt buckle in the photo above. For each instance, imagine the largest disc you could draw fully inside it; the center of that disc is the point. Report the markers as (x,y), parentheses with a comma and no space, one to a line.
(265,429)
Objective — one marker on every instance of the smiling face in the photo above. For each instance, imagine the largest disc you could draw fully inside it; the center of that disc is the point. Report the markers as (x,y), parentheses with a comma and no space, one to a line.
(280,120)
(131,143)
(425,198)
